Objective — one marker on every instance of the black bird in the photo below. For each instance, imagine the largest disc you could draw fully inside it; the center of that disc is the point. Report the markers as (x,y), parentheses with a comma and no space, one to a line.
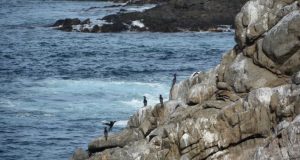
(172,87)
(110,124)
(161,100)
(145,101)
(105,133)
(174,80)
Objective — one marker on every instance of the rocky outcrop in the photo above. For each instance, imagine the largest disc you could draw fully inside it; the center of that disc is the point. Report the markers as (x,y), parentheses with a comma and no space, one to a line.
(170,16)
(182,15)
(68,24)
(246,108)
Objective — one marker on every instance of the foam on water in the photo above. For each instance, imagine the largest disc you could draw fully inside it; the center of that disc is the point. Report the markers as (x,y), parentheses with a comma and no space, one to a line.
(55,95)
(140,8)
(62,111)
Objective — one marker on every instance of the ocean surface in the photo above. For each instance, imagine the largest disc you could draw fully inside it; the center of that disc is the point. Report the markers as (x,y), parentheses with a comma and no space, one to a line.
(57,87)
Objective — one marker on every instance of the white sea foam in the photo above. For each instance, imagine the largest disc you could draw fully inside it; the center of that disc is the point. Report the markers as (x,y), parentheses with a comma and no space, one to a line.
(121,123)
(87,97)
(133,102)
(6,103)
(138,23)
(140,8)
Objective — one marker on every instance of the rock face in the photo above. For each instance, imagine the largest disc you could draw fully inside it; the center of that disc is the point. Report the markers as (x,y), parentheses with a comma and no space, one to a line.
(246,108)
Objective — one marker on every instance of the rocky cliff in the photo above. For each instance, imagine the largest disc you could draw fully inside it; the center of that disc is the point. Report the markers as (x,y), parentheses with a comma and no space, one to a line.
(245,108)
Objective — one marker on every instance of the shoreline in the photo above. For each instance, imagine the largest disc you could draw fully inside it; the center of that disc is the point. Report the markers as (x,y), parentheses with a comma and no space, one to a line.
(245,108)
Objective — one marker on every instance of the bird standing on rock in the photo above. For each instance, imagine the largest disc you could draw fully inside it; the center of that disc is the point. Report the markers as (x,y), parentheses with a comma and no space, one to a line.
(174,80)
(105,133)
(110,124)
(172,87)
(161,100)
(145,101)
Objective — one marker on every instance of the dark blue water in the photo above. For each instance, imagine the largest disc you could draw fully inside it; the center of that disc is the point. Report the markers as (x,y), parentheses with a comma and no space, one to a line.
(56,87)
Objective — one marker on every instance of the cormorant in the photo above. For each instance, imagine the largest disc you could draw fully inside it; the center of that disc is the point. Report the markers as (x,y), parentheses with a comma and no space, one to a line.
(110,124)
(105,133)
(161,100)
(174,80)
(173,83)
(145,101)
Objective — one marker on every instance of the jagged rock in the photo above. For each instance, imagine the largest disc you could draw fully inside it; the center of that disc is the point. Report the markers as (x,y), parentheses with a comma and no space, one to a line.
(223,86)
(297,106)
(285,145)
(180,91)
(95,29)
(115,140)
(86,21)
(260,58)
(199,93)
(296,78)
(66,24)
(243,76)
(227,59)
(116,27)
(226,95)
(215,104)
(186,92)
(257,17)
(285,54)
(80,154)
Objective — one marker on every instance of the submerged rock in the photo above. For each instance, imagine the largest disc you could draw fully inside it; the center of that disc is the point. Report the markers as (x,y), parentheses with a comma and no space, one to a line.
(66,24)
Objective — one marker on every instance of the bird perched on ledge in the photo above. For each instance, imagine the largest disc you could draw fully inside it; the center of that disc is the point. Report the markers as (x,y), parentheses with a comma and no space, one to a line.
(174,79)
(161,100)
(110,124)
(145,101)
(105,133)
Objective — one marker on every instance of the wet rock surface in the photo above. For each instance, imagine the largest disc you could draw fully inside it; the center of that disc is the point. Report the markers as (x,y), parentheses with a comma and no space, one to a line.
(183,15)
(245,108)
(170,16)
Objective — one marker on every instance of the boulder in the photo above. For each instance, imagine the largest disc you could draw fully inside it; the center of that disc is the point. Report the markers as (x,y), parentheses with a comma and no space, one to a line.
(285,145)
(115,140)
(66,24)
(285,31)
(296,78)
(80,154)
(243,75)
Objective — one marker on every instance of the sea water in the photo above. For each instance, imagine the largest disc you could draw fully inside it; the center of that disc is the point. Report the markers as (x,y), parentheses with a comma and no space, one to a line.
(57,87)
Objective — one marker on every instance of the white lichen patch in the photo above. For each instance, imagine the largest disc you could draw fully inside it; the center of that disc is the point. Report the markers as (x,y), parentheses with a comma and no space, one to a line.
(264,95)
(260,97)
(238,68)
(209,137)
(185,139)
(252,10)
